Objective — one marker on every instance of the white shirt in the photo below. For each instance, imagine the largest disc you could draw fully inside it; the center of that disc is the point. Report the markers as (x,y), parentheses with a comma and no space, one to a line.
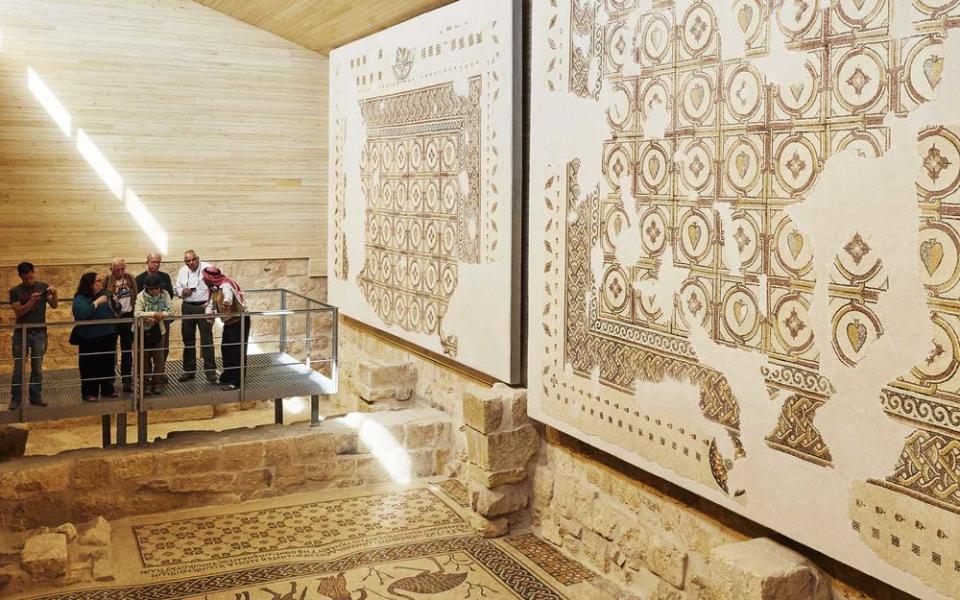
(192,279)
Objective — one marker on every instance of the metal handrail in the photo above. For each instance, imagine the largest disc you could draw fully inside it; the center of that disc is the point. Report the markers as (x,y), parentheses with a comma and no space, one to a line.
(301,342)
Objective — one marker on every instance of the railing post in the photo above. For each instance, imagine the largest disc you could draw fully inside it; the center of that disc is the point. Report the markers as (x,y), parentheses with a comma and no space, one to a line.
(283,320)
(105,430)
(336,348)
(142,428)
(314,410)
(121,429)
(141,364)
(138,397)
(278,411)
(243,355)
(308,341)
(24,382)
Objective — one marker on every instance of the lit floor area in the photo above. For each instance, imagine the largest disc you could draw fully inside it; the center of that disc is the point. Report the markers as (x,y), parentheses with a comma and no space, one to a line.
(377,542)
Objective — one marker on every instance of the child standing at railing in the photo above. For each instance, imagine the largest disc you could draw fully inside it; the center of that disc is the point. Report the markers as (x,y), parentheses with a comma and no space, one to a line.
(154,305)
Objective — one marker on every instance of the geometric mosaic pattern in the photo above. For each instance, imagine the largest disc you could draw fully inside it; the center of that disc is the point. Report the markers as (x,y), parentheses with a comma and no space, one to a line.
(420,224)
(456,491)
(424,123)
(402,544)
(547,558)
(704,196)
(460,567)
(317,525)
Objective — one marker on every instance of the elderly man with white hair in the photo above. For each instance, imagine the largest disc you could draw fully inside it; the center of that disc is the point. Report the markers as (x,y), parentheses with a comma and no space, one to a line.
(154,260)
(124,290)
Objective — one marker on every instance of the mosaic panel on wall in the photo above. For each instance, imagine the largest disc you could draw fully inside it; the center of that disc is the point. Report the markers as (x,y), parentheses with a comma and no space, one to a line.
(423,190)
(687,315)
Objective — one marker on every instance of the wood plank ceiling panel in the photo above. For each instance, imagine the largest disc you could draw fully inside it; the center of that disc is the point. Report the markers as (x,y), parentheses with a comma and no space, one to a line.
(322,25)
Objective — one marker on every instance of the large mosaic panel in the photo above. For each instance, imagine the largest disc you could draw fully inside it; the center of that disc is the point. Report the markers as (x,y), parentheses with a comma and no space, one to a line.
(423,190)
(745,256)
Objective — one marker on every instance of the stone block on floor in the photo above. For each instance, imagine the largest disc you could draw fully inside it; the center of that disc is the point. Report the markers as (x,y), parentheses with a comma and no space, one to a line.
(489,528)
(761,569)
(13,441)
(96,533)
(500,501)
(383,382)
(45,556)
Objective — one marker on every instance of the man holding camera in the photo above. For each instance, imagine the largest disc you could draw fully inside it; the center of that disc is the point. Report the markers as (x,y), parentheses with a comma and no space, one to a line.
(195,295)
(29,302)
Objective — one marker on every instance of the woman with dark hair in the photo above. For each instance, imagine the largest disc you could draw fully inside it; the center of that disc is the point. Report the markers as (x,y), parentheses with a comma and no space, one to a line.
(98,343)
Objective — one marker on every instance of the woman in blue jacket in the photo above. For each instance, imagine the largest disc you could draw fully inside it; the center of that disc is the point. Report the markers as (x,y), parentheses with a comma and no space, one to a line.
(98,343)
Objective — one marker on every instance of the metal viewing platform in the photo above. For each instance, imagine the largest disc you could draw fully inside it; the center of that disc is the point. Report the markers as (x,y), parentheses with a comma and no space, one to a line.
(291,352)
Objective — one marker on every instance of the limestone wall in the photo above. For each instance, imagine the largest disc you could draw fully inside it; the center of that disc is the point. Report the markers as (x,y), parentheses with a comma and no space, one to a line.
(652,538)
(205,468)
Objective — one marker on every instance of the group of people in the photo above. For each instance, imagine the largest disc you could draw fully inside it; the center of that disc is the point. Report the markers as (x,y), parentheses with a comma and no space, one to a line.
(205,293)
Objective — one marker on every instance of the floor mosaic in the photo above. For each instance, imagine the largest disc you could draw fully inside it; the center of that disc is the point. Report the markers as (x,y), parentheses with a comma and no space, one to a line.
(379,543)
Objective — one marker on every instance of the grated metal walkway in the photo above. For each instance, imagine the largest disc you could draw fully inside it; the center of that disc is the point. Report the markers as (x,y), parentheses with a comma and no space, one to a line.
(267,376)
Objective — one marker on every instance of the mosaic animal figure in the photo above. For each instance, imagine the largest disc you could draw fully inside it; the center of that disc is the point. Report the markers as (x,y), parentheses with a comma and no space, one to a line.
(426,582)
(291,595)
(335,588)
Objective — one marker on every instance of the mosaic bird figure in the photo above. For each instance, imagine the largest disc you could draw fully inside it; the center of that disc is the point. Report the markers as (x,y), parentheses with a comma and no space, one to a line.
(335,588)
(426,582)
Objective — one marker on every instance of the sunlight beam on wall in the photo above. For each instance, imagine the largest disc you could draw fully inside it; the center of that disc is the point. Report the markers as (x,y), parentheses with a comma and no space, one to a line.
(147,223)
(384,447)
(49,102)
(96,159)
(100,164)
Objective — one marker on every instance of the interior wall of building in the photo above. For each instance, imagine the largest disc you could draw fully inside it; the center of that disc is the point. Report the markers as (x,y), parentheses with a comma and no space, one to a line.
(133,125)
(235,133)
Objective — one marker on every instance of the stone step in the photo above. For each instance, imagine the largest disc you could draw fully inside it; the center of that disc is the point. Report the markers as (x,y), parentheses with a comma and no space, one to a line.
(203,468)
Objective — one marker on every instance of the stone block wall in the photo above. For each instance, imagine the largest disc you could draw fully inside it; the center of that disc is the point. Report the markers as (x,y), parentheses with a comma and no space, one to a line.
(205,468)
(656,542)
(501,441)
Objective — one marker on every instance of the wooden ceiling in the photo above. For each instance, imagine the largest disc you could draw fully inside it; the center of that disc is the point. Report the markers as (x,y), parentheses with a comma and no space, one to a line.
(322,25)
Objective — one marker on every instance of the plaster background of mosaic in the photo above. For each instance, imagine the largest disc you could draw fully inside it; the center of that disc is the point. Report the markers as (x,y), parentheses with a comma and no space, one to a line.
(717,300)
(422,198)
(691,533)
(267,274)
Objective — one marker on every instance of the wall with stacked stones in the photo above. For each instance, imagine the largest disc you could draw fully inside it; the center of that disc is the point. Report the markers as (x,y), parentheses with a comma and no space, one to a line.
(206,468)
(652,538)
